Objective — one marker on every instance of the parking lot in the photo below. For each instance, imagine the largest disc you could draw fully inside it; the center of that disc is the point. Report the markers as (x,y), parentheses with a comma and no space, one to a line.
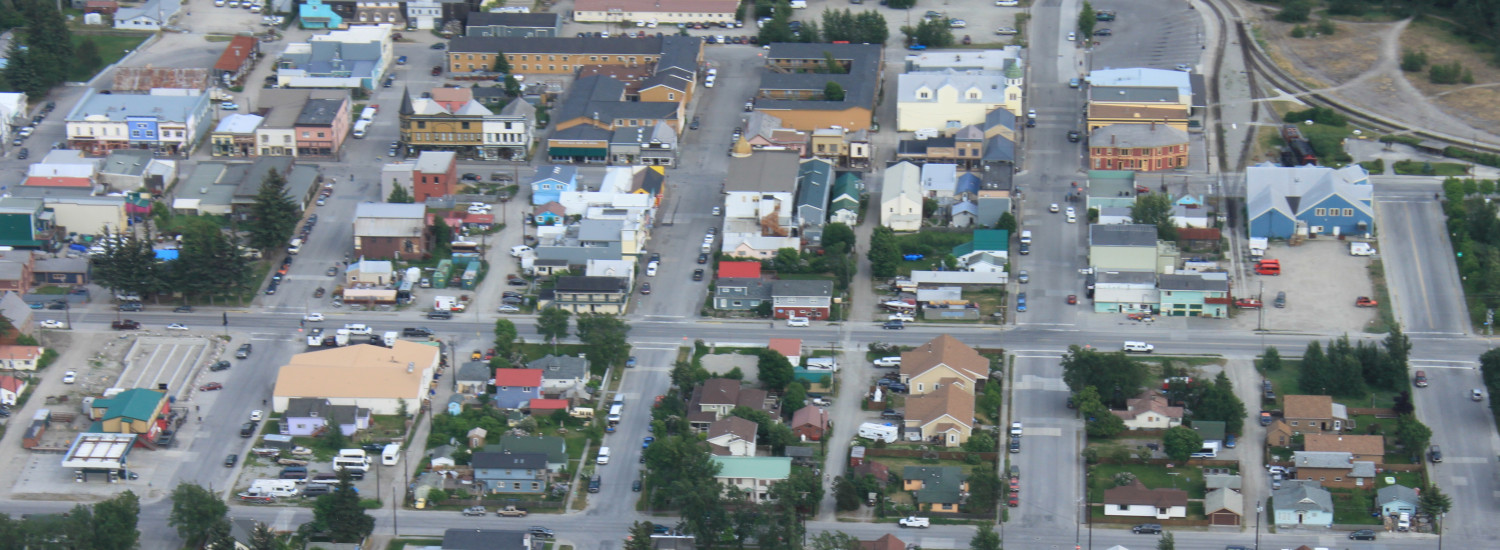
(154,360)
(1321,281)
(1161,35)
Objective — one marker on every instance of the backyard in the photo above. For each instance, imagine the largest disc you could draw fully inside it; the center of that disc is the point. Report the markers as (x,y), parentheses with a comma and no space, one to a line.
(112,47)
(1352,506)
(1285,383)
(1190,479)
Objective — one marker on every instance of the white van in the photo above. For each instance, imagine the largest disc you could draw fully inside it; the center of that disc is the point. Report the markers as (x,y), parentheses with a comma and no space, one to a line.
(390,455)
(1025,236)
(519,250)
(362,330)
(273,487)
(367,114)
(797,322)
(888,362)
(1138,347)
(359,129)
(1361,249)
(798,4)
(614,413)
(294,247)
(603,456)
(881,432)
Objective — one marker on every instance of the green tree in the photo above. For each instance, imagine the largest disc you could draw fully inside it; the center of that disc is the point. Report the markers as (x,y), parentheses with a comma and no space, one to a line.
(129,266)
(399,194)
(88,55)
(788,260)
(210,263)
(775,371)
(685,375)
(605,336)
(1326,26)
(795,398)
(21,72)
(835,234)
(195,510)
(884,254)
(1218,402)
(1313,377)
(1434,502)
(1155,209)
(512,86)
(1412,433)
(1398,346)
(339,513)
(1271,359)
(934,33)
(872,28)
(1116,375)
(221,536)
(1295,11)
(263,538)
(273,214)
(1087,18)
(1413,61)
(846,496)
(831,63)
(1180,442)
(640,536)
(980,442)
(552,324)
(984,490)
(832,91)
(502,65)
(836,540)
(1098,421)
(505,337)
(778,29)
(985,538)
(114,523)
(1489,370)
(902,4)
(1007,222)
(442,238)
(1167,541)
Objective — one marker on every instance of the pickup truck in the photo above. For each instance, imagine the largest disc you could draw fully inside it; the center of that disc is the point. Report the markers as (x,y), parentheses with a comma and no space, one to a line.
(125,324)
(914,521)
(510,512)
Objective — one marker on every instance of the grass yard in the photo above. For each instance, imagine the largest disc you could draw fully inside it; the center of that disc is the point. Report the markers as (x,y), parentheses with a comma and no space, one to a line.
(1190,361)
(386,426)
(401,544)
(1409,479)
(897,464)
(51,290)
(112,47)
(536,351)
(1190,479)
(1352,506)
(1421,168)
(989,301)
(1285,383)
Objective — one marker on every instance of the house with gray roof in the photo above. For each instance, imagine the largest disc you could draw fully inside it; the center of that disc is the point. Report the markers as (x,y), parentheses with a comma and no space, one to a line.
(18,312)
(814,183)
(792,86)
(1190,294)
(513,25)
(1301,503)
(472,378)
(798,298)
(504,472)
(654,145)
(1121,291)
(1127,247)
(489,539)
(167,123)
(352,58)
(1283,201)
(554,448)
(149,16)
(308,416)
(561,373)
(132,169)
(1395,500)
(1224,506)
(740,294)
(843,206)
(935,488)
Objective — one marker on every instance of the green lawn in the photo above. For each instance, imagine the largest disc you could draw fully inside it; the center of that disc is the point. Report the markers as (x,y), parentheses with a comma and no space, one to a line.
(1421,168)
(1102,476)
(51,290)
(1352,506)
(111,49)
(1285,383)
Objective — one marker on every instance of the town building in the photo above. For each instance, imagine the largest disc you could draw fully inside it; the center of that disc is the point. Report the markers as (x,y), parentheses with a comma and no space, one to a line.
(513,25)
(166,122)
(795,77)
(354,58)
(587,295)
(390,230)
(1140,147)
(943,361)
(1301,200)
(372,377)
(236,62)
(901,197)
(947,99)
(311,417)
(936,488)
(435,175)
(752,475)
(655,12)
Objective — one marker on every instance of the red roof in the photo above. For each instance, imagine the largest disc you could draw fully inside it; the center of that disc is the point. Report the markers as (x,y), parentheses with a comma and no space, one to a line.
(481,219)
(1199,234)
(739,270)
(43,181)
(548,404)
(11,384)
(235,54)
(788,347)
(524,378)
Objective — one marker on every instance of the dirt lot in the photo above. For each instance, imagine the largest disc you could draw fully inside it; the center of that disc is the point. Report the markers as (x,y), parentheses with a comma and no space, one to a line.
(1351,51)
(1477,100)
(1321,281)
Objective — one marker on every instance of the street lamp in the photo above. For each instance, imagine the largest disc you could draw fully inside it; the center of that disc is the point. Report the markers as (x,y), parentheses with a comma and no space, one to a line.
(1258,509)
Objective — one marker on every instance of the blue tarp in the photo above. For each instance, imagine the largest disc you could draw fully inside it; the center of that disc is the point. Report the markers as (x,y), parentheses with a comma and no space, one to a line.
(166,254)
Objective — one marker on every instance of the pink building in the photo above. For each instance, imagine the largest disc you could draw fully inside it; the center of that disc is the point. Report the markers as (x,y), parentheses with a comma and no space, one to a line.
(322,126)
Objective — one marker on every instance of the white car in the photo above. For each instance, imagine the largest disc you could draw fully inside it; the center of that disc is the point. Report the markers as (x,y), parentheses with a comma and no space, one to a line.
(1007,3)
(1072,215)
(177,326)
(26,132)
(717,211)
(1015,429)
(480,205)
(53,323)
(713,73)
(229,106)
(907,317)
(892,361)
(957,24)
(1053,208)
(313,317)
(507,308)
(708,82)
(1072,37)
(255,415)
(1006,31)
(70,377)
(651,269)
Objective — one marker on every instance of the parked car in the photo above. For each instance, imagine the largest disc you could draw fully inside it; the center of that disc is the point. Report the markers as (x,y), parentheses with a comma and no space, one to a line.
(220,366)
(1362,534)
(70,377)
(1147,529)
(243,352)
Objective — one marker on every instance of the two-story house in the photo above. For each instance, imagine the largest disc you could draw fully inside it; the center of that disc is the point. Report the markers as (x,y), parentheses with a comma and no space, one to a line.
(944,416)
(943,361)
(588,295)
(390,230)
(522,473)
(551,181)
(472,378)
(448,120)
(752,475)
(1334,469)
(561,373)
(306,416)
(554,448)
(1136,500)
(936,488)
(843,207)
(901,197)
(322,126)
(1314,413)
(514,387)
(814,183)
(948,99)
(714,399)
(435,175)
(732,436)
(794,298)
(1194,294)
(1363,447)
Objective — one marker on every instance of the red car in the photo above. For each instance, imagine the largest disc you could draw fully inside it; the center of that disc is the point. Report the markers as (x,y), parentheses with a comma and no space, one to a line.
(1015,484)
(1013,501)
(1072,299)
(1247,303)
(437,70)
(490,354)
(1365,301)
(1138,189)
(211,386)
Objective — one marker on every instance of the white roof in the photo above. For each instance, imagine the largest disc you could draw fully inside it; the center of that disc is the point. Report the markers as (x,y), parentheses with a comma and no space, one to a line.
(1143,77)
(390,210)
(990,87)
(239,123)
(435,162)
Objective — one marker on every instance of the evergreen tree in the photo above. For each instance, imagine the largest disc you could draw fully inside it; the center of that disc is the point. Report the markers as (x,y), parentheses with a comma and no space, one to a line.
(985,538)
(1434,502)
(399,194)
(640,536)
(340,515)
(884,254)
(505,337)
(21,73)
(502,65)
(195,510)
(552,324)
(442,238)
(114,522)
(274,214)
(1087,19)
(832,91)
(88,55)
(605,336)
(262,538)
(1313,377)
(1271,359)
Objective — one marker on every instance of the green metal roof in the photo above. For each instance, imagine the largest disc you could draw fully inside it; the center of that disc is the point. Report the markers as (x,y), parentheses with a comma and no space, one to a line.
(578,152)
(132,404)
(985,240)
(940,484)
(757,467)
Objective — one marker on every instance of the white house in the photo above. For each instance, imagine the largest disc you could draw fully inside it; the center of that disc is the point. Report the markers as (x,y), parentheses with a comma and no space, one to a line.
(1150,411)
(1136,500)
(949,100)
(732,436)
(901,197)
(424,14)
(11,389)
(561,373)
(352,58)
(150,16)
(17,357)
(753,475)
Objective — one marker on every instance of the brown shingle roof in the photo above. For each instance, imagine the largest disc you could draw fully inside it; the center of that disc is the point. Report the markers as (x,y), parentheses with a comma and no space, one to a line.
(1151,400)
(1354,444)
(739,427)
(1307,406)
(885,542)
(945,350)
(812,416)
(1199,234)
(947,400)
(1137,494)
(719,391)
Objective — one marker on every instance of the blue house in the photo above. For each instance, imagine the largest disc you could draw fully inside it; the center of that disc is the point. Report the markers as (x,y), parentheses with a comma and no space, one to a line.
(550,182)
(814,183)
(1285,201)
(510,472)
(1194,295)
(316,15)
(514,387)
(1302,503)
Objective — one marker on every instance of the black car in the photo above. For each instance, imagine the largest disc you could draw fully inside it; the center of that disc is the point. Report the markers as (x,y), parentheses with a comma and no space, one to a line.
(703,258)
(130,306)
(636,486)
(1073,136)
(389,81)
(417,331)
(437,46)
(57,304)
(1147,529)
(511,294)
(470,177)
(218,366)
(1362,534)
(1103,32)
(890,413)
(24,154)
(183,309)
(1025,249)
(655,256)
(271,289)
(541,532)
(894,325)
(1015,444)
(697,274)
(230,460)
(243,352)
(694,124)
(247,429)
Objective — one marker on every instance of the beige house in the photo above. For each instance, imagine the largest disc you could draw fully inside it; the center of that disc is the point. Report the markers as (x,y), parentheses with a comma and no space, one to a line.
(732,436)
(17,357)
(1314,413)
(940,362)
(1150,411)
(1362,447)
(901,197)
(944,416)
(373,377)
(1136,500)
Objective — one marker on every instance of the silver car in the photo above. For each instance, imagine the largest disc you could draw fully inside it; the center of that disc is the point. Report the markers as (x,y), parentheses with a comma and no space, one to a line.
(1023,277)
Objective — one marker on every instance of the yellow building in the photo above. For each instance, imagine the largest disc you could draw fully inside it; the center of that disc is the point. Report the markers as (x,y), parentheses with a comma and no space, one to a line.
(565,55)
(133,411)
(943,361)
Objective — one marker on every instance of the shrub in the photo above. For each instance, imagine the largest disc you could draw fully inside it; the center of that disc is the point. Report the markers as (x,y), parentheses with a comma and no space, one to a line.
(1295,11)
(1413,61)
(1299,32)
(1319,115)
(1450,73)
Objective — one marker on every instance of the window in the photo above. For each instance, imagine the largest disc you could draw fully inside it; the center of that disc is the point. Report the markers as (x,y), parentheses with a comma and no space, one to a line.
(919,388)
(320,134)
(135,133)
(1294,422)
(1320,212)
(922,94)
(552,67)
(670,96)
(1348,212)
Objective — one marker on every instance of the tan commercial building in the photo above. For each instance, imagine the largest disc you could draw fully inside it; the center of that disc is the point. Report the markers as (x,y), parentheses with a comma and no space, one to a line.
(663,12)
(560,55)
(365,375)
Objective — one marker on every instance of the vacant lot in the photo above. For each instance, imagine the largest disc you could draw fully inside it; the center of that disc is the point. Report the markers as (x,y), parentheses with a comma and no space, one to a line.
(1321,281)
(111,49)
(1472,101)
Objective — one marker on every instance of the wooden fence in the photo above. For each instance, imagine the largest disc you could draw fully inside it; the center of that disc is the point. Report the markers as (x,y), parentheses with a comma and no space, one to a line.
(914,453)
(501,503)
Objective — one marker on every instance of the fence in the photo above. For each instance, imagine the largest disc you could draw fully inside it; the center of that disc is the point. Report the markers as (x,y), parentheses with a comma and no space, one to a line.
(1133,520)
(521,504)
(1377,413)
(914,453)
(1214,463)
